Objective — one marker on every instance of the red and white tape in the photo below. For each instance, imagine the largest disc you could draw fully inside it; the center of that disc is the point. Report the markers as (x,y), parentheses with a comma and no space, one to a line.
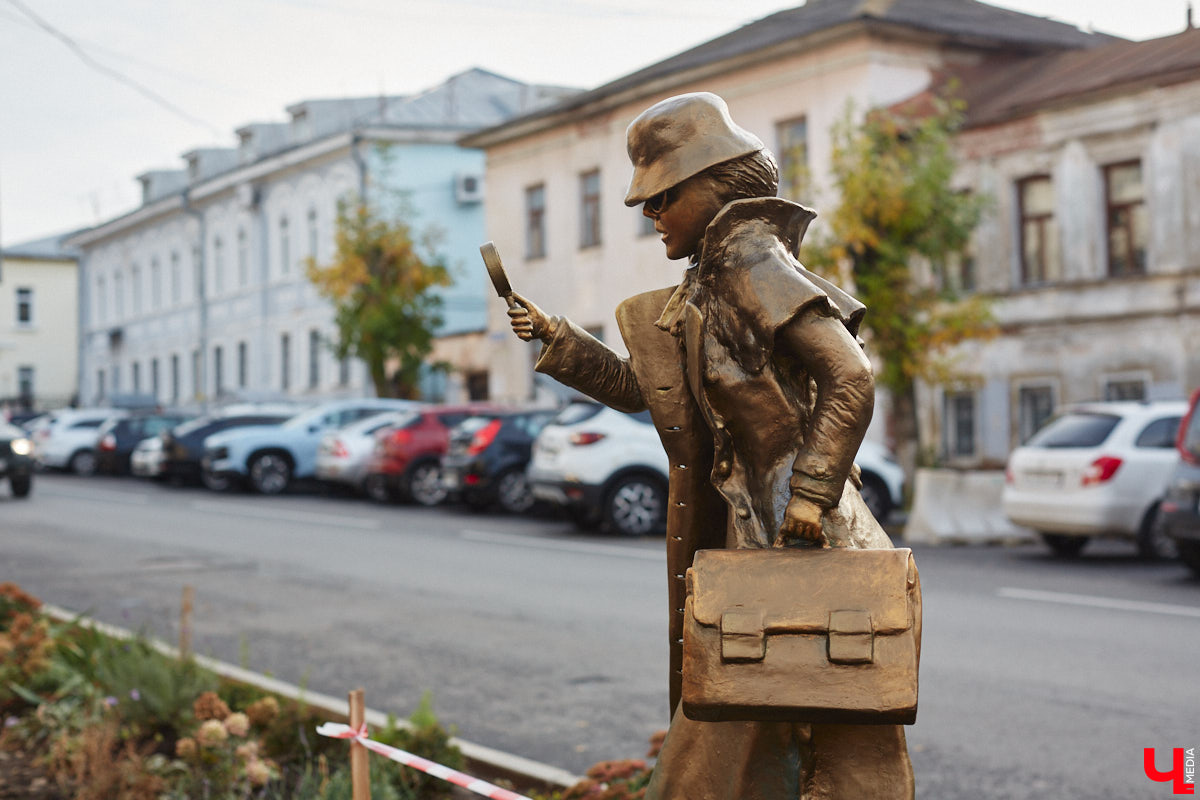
(336,730)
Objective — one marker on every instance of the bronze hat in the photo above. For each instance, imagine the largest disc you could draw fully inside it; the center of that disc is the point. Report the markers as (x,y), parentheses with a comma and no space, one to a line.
(678,137)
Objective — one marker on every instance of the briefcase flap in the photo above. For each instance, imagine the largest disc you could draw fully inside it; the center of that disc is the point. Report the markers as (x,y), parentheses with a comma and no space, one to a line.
(723,583)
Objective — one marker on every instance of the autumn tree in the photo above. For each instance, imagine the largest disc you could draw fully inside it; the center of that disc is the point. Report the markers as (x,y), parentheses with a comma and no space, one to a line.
(382,281)
(902,228)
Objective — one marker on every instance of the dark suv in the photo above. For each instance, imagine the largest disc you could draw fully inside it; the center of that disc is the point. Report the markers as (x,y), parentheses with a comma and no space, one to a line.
(117,438)
(16,459)
(487,458)
(1181,506)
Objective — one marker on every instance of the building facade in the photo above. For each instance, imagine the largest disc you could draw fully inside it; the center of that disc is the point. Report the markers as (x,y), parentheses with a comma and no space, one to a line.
(38,325)
(200,294)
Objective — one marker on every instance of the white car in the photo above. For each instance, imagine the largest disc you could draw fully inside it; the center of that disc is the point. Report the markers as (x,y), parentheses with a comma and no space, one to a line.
(66,438)
(1098,469)
(344,455)
(608,467)
(148,459)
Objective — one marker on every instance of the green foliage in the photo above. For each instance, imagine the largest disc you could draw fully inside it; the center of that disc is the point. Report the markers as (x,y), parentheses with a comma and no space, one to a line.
(381,281)
(151,690)
(423,736)
(898,207)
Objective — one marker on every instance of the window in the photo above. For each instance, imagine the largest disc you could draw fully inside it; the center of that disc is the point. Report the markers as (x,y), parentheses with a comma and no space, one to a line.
(344,371)
(116,378)
(24,306)
(959,424)
(1035,405)
(1039,233)
(314,359)
(1125,389)
(285,355)
(174,378)
(241,365)
(218,371)
(197,274)
(1083,429)
(792,138)
(99,386)
(243,258)
(155,284)
(589,209)
(535,221)
(119,299)
(154,378)
(136,369)
(312,233)
(1126,219)
(218,266)
(135,282)
(176,281)
(477,386)
(101,299)
(285,256)
(197,369)
(1159,434)
(25,384)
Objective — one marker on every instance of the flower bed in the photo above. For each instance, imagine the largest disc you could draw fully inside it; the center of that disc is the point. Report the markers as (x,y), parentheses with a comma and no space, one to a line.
(91,717)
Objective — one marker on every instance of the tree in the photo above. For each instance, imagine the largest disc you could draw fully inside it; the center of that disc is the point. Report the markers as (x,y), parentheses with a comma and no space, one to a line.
(899,226)
(381,281)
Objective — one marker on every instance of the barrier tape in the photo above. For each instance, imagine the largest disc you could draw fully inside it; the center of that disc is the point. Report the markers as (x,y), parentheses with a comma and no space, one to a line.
(336,730)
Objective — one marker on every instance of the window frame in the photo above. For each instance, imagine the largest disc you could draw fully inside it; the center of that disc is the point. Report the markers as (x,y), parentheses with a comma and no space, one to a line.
(535,221)
(1043,220)
(1135,265)
(589,209)
(24,309)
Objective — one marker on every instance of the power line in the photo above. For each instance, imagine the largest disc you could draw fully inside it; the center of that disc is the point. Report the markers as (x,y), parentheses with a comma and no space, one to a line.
(140,88)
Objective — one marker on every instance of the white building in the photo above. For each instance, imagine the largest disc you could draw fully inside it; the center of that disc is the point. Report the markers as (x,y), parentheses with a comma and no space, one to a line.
(200,294)
(38,325)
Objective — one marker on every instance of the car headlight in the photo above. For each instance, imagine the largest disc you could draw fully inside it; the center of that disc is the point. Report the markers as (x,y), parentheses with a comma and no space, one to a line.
(21,447)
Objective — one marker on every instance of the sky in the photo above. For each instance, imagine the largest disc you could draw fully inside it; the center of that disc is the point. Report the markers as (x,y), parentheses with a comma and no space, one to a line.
(94,93)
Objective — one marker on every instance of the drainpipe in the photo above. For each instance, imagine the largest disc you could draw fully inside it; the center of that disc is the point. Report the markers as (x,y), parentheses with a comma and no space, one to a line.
(361,163)
(201,294)
(83,336)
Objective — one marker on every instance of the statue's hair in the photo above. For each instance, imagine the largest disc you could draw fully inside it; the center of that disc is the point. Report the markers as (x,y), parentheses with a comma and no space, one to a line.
(752,175)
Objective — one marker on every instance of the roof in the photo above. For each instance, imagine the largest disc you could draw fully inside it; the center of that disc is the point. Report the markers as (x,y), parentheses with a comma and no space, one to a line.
(48,248)
(978,23)
(1005,92)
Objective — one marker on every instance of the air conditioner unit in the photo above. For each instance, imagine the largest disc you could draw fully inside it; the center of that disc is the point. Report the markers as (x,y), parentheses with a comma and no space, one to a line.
(247,196)
(468,188)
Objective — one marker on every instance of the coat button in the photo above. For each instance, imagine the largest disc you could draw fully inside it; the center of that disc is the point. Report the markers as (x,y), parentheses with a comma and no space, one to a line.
(743,512)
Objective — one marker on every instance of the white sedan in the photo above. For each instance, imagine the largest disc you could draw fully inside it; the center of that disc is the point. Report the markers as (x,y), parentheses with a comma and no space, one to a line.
(1098,469)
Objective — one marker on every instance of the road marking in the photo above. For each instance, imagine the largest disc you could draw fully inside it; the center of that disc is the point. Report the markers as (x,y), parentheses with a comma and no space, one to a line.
(98,495)
(326,520)
(517,540)
(1099,602)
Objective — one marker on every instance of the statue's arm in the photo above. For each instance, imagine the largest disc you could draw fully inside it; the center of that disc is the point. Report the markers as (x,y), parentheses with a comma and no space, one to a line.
(574,357)
(845,399)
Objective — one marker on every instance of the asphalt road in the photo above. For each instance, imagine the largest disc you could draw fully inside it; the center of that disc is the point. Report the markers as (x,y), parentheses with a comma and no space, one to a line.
(1040,678)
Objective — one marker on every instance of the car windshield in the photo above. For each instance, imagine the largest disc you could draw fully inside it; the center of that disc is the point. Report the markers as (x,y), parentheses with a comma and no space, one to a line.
(577,412)
(1190,440)
(313,416)
(1075,429)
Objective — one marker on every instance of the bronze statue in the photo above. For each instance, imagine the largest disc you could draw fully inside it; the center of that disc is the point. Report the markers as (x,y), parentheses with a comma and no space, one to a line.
(758,385)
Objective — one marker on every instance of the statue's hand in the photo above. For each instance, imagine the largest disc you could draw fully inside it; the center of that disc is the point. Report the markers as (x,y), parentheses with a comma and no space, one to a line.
(801,520)
(530,322)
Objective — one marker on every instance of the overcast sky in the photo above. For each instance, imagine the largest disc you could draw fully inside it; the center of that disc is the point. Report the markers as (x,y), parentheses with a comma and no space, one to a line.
(160,77)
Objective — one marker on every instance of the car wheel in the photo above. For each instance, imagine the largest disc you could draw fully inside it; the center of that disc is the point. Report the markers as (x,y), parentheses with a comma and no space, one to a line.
(1189,553)
(376,487)
(83,463)
(1063,545)
(215,481)
(513,492)
(875,494)
(635,506)
(1153,543)
(270,473)
(21,485)
(423,484)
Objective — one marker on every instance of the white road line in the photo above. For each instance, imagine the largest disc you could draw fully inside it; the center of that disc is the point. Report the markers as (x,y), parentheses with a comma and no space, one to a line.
(517,540)
(325,520)
(1099,602)
(97,496)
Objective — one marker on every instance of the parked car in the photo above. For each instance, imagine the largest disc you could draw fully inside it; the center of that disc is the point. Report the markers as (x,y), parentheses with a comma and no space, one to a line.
(16,459)
(66,438)
(344,455)
(609,468)
(604,467)
(1181,505)
(148,459)
(487,458)
(268,458)
(183,445)
(406,461)
(118,436)
(1098,469)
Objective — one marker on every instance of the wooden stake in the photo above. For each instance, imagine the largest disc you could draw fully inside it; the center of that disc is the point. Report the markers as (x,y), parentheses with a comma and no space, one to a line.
(185,622)
(360,768)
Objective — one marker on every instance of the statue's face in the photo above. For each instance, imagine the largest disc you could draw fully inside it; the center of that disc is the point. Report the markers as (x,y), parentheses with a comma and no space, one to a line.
(681,214)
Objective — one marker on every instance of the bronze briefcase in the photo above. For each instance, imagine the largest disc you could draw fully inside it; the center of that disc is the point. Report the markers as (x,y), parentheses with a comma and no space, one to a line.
(802,635)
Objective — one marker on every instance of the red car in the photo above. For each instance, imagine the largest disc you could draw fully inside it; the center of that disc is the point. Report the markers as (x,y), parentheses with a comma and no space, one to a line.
(406,464)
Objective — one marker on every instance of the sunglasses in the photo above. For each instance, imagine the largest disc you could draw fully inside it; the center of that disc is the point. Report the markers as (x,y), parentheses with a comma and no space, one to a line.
(656,204)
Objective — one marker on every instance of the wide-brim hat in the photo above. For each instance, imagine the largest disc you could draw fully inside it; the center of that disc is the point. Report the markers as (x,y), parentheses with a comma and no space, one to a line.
(679,137)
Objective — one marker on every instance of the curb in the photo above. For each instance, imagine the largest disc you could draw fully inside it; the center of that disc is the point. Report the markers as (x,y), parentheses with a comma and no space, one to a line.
(496,763)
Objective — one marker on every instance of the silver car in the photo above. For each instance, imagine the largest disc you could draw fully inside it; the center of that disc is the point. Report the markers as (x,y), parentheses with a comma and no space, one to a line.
(344,454)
